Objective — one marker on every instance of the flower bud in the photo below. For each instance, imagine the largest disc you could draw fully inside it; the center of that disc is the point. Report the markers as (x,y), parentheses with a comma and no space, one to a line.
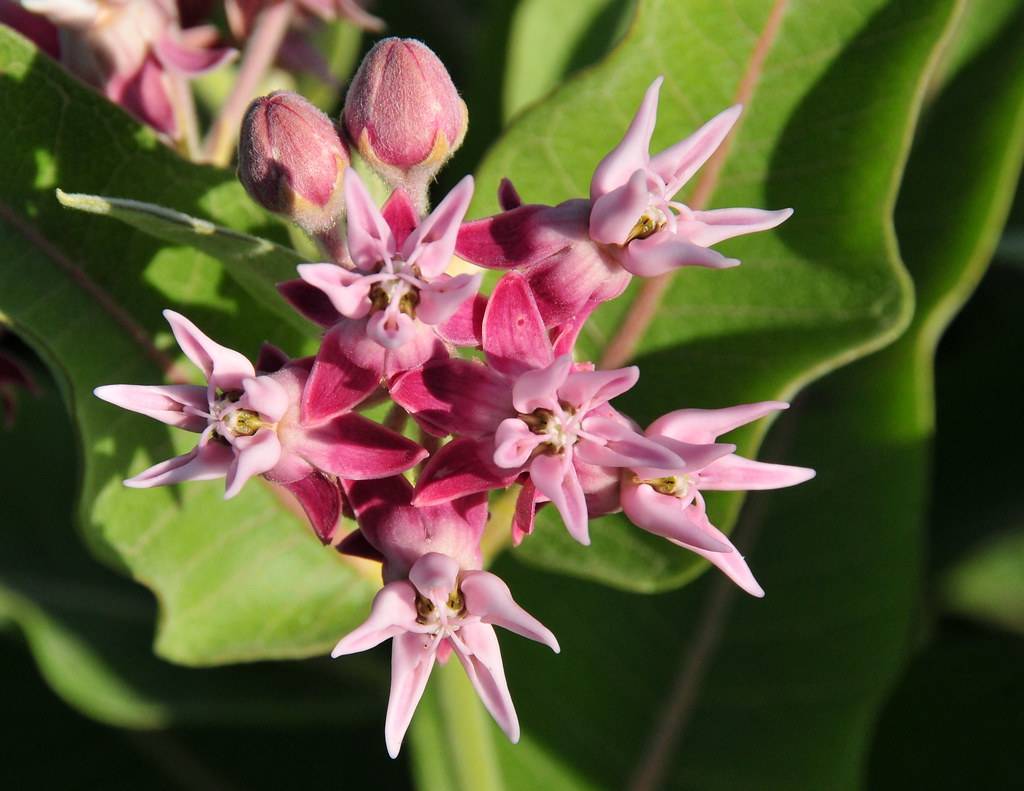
(403,113)
(292,161)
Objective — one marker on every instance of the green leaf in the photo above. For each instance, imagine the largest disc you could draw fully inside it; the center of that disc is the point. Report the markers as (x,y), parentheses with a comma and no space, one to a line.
(831,102)
(237,580)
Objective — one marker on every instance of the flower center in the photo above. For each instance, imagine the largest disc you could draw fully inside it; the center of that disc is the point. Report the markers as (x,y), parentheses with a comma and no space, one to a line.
(650,222)
(680,486)
(242,422)
(559,427)
(399,286)
(444,616)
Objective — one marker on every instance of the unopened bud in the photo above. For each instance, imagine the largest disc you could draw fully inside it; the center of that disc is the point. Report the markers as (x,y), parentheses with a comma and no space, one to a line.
(403,113)
(292,161)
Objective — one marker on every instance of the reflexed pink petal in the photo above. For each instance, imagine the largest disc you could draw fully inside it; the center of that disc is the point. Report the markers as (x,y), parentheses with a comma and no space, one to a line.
(666,516)
(188,60)
(320,498)
(434,575)
(632,153)
(354,447)
(458,469)
(555,478)
(488,597)
(710,227)
(224,367)
(514,443)
(348,291)
(487,674)
(731,563)
(355,545)
(455,397)
(359,16)
(369,238)
(441,298)
(265,395)
(204,463)
(588,389)
(701,426)
(412,659)
(400,215)
(615,214)
(392,329)
(676,164)
(348,368)
(310,301)
(665,252)
(465,326)
(145,95)
(508,197)
(600,486)
(514,337)
(697,457)
(254,455)
(271,359)
(735,473)
(539,389)
(166,403)
(432,245)
(629,450)
(392,613)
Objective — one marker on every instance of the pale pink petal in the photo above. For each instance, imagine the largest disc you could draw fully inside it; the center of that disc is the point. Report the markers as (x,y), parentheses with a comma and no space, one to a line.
(421,347)
(577,276)
(697,457)
(393,612)
(664,252)
(455,396)
(710,227)
(632,153)
(434,575)
(624,448)
(555,478)
(348,368)
(348,291)
(667,516)
(400,215)
(369,238)
(432,245)
(359,16)
(676,164)
(731,563)
(588,389)
(600,486)
(391,328)
(265,395)
(64,13)
(465,326)
(310,301)
(539,389)
(735,473)
(204,463)
(178,55)
(460,468)
(514,337)
(441,298)
(224,368)
(514,443)
(488,597)
(701,426)
(354,447)
(181,406)
(412,659)
(616,213)
(254,455)
(482,663)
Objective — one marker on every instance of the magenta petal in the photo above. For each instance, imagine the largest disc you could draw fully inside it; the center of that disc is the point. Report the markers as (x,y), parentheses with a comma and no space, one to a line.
(460,468)
(632,153)
(588,389)
(254,455)
(441,298)
(181,406)
(392,613)
(539,389)
(514,337)
(665,252)
(422,347)
(488,598)
(145,95)
(412,659)
(206,462)
(508,197)
(355,545)
(401,217)
(432,245)
(320,498)
(616,213)
(668,517)
(465,326)
(224,367)
(576,276)
(710,227)
(310,301)
(188,60)
(555,478)
(563,337)
(676,164)
(482,662)
(455,396)
(271,359)
(701,426)
(525,513)
(265,395)
(348,291)
(348,368)
(513,238)
(369,237)
(735,473)
(354,447)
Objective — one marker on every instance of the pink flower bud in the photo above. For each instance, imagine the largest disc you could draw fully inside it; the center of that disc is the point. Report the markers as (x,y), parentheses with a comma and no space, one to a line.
(404,114)
(292,161)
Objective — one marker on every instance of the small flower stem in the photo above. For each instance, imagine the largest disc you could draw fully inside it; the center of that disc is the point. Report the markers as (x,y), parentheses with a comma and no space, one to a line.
(185,115)
(332,243)
(260,53)
(396,418)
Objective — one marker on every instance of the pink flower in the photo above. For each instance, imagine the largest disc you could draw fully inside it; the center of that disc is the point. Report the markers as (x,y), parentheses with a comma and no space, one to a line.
(241,14)
(442,608)
(582,252)
(668,501)
(527,412)
(132,50)
(391,311)
(249,425)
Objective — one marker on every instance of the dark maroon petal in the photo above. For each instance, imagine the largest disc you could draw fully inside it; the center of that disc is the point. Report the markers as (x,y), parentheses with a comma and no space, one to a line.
(355,545)
(38,29)
(465,327)
(348,368)
(460,468)
(321,499)
(400,216)
(354,447)
(508,196)
(271,359)
(455,396)
(310,301)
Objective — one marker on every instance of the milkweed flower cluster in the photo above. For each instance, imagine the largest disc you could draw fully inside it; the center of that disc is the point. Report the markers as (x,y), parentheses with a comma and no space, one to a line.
(523,410)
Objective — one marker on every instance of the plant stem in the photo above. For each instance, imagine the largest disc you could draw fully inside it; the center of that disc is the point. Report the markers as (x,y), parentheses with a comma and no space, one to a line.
(185,115)
(260,53)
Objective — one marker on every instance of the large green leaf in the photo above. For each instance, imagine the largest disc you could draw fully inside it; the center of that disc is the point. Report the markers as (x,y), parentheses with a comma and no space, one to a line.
(831,100)
(235,580)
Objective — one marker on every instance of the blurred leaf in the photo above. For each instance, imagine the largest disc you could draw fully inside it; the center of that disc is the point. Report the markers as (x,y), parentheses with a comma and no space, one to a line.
(546,44)
(825,288)
(988,584)
(955,720)
(237,580)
